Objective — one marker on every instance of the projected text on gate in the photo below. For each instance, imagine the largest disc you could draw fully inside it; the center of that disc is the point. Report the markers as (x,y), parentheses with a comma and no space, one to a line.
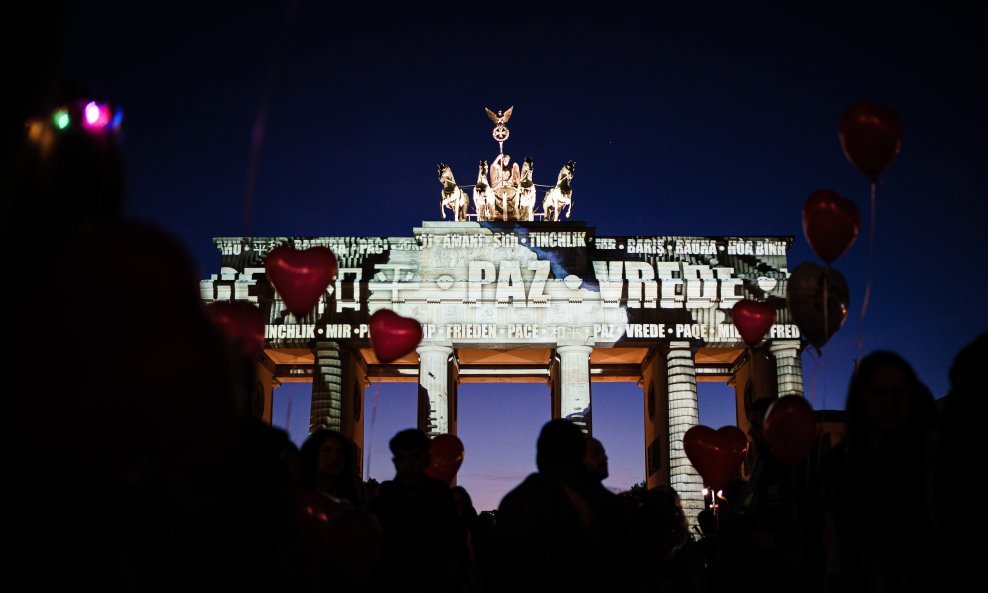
(612,288)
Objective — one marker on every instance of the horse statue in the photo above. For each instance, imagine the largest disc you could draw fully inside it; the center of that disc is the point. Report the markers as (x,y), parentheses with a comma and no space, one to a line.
(453,197)
(526,191)
(561,195)
(483,195)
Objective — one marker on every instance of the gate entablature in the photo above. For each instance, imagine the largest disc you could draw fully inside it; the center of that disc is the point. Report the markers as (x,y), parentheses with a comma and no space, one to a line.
(504,285)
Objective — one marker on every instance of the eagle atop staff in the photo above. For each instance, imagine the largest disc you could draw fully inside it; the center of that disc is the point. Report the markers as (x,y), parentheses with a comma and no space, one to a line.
(500,118)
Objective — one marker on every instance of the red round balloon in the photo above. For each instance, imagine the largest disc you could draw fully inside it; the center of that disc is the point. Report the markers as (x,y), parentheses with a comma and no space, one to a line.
(716,454)
(241,322)
(871,135)
(392,335)
(830,223)
(753,320)
(790,429)
(300,277)
(446,456)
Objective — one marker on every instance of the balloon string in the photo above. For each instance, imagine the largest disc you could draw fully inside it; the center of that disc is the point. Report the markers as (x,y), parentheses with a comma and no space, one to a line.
(816,364)
(799,514)
(826,307)
(370,437)
(288,415)
(871,259)
(261,119)
(717,547)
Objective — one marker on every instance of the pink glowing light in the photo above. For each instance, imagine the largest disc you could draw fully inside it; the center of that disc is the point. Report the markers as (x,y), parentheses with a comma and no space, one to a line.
(96,116)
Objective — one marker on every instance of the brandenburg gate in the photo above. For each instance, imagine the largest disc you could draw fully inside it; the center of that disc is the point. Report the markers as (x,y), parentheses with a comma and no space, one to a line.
(509,294)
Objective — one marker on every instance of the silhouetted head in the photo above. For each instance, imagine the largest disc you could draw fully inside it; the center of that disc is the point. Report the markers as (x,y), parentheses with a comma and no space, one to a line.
(708,522)
(965,371)
(410,448)
(756,415)
(886,397)
(326,455)
(560,449)
(595,459)
(659,519)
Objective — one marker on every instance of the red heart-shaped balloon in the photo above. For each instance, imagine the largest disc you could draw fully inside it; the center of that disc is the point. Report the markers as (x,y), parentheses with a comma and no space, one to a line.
(753,320)
(300,277)
(871,136)
(446,457)
(716,454)
(392,335)
(790,429)
(241,322)
(830,223)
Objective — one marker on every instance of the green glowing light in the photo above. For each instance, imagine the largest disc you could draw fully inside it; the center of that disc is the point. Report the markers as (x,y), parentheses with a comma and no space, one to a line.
(61,119)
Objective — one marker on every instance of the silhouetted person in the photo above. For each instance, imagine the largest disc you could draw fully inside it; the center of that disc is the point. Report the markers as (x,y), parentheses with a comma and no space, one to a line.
(171,481)
(877,479)
(446,454)
(666,559)
(328,464)
(544,526)
(961,540)
(343,539)
(610,527)
(424,542)
(764,528)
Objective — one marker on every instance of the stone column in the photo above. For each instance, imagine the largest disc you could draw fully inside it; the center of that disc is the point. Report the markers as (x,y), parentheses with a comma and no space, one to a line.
(574,370)
(788,366)
(655,385)
(555,389)
(683,415)
(433,378)
(327,388)
(354,384)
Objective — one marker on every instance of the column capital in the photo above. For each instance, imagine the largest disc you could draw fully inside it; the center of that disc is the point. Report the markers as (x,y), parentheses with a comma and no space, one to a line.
(681,346)
(441,347)
(783,345)
(574,348)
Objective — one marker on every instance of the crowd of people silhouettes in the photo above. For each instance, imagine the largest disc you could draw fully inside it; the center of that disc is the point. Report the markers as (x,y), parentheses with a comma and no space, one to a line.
(152,473)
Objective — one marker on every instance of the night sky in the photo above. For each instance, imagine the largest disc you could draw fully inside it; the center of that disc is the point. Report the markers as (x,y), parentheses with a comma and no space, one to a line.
(714,123)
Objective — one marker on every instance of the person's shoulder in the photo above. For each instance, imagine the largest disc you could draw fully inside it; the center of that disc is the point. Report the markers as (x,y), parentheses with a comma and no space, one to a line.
(533,481)
(385,490)
(436,488)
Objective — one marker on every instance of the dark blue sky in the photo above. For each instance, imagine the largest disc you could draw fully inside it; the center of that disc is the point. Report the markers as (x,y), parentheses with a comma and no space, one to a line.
(713,123)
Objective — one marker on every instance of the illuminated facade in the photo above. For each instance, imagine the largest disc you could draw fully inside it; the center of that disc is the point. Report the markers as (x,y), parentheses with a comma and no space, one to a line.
(520,301)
